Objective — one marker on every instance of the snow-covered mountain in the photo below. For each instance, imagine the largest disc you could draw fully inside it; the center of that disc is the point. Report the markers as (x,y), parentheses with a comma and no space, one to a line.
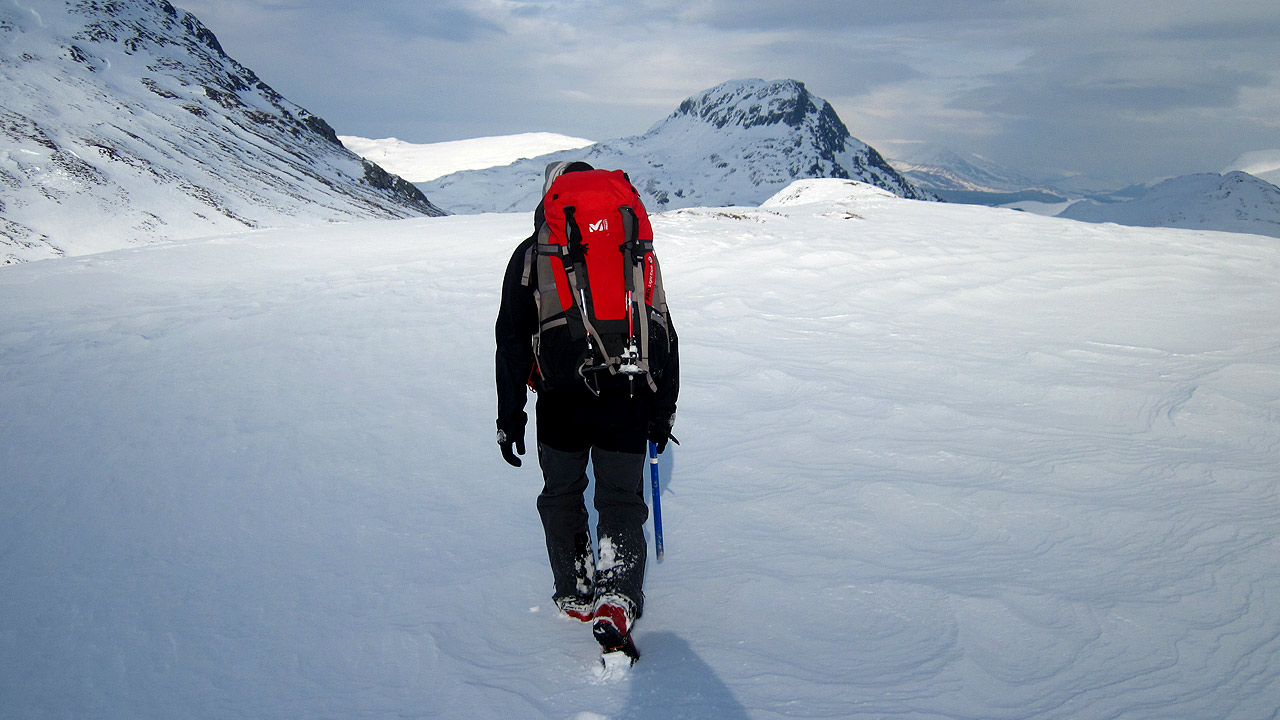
(1234,202)
(418,162)
(1262,164)
(969,178)
(735,144)
(124,122)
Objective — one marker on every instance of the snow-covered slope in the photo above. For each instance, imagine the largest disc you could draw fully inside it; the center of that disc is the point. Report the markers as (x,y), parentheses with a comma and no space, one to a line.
(124,122)
(970,178)
(735,144)
(938,168)
(1235,202)
(1262,164)
(422,162)
(939,461)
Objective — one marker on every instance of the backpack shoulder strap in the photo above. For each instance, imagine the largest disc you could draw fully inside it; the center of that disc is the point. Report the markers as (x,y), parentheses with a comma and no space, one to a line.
(530,256)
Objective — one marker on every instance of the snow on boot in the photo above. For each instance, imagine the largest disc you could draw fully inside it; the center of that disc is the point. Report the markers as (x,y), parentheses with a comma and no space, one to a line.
(577,607)
(612,629)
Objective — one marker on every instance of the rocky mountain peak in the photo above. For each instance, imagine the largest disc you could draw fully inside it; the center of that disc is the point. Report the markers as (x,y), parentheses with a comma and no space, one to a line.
(756,103)
(748,103)
(737,143)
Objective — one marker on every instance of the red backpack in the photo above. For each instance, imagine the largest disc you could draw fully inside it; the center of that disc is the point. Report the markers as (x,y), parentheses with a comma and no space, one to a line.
(602,310)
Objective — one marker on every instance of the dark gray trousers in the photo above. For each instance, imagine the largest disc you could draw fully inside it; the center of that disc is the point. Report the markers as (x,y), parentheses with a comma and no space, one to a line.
(616,569)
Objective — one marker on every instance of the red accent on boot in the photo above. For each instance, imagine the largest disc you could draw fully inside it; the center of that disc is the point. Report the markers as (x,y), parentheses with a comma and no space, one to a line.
(583,615)
(614,615)
(577,609)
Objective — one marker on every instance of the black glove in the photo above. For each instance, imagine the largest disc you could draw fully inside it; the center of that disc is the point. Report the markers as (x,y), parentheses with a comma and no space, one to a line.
(660,430)
(505,442)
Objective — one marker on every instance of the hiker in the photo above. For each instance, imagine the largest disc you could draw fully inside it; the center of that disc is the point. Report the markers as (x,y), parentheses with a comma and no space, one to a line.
(605,410)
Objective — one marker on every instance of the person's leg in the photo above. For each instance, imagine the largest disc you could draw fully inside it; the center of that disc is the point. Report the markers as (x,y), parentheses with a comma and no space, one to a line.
(619,502)
(564,522)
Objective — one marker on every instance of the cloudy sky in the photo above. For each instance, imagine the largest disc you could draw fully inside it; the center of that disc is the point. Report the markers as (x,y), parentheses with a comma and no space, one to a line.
(1116,90)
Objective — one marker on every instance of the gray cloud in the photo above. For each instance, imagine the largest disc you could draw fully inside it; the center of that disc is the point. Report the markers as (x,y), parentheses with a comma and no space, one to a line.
(819,14)
(452,20)
(1105,83)
(1039,82)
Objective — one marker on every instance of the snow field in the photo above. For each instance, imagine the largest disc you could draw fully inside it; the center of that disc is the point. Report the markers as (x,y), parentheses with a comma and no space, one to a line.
(938,462)
(967,426)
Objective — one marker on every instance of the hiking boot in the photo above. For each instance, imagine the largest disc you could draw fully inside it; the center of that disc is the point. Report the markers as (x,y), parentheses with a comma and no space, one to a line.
(613,617)
(576,607)
(612,628)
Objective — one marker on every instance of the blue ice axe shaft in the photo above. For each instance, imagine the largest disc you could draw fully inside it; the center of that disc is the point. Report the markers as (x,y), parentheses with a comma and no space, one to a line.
(657,502)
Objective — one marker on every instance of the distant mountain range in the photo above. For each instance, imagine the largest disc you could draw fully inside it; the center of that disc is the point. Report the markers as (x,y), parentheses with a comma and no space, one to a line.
(1234,202)
(971,179)
(735,144)
(124,122)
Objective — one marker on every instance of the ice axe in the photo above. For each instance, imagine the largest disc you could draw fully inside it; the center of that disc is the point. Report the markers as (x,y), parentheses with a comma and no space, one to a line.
(657,502)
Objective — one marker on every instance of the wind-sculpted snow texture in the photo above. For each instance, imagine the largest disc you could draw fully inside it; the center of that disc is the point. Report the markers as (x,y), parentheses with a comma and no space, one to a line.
(735,144)
(124,122)
(938,462)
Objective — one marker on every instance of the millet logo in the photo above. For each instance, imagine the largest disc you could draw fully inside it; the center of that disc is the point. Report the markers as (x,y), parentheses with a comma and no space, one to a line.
(598,226)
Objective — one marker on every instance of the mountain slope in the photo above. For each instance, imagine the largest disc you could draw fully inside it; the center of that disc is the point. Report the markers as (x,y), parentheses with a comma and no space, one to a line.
(939,461)
(735,144)
(970,178)
(418,162)
(1262,164)
(1234,202)
(124,122)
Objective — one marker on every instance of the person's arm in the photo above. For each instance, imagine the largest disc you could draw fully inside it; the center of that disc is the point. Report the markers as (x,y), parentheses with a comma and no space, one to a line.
(664,400)
(513,361)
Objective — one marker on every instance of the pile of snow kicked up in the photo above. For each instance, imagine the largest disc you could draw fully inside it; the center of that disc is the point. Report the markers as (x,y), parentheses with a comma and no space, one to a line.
(938,462)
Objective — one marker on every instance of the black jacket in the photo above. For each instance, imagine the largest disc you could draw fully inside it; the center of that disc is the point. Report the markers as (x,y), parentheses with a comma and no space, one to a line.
(569,419)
